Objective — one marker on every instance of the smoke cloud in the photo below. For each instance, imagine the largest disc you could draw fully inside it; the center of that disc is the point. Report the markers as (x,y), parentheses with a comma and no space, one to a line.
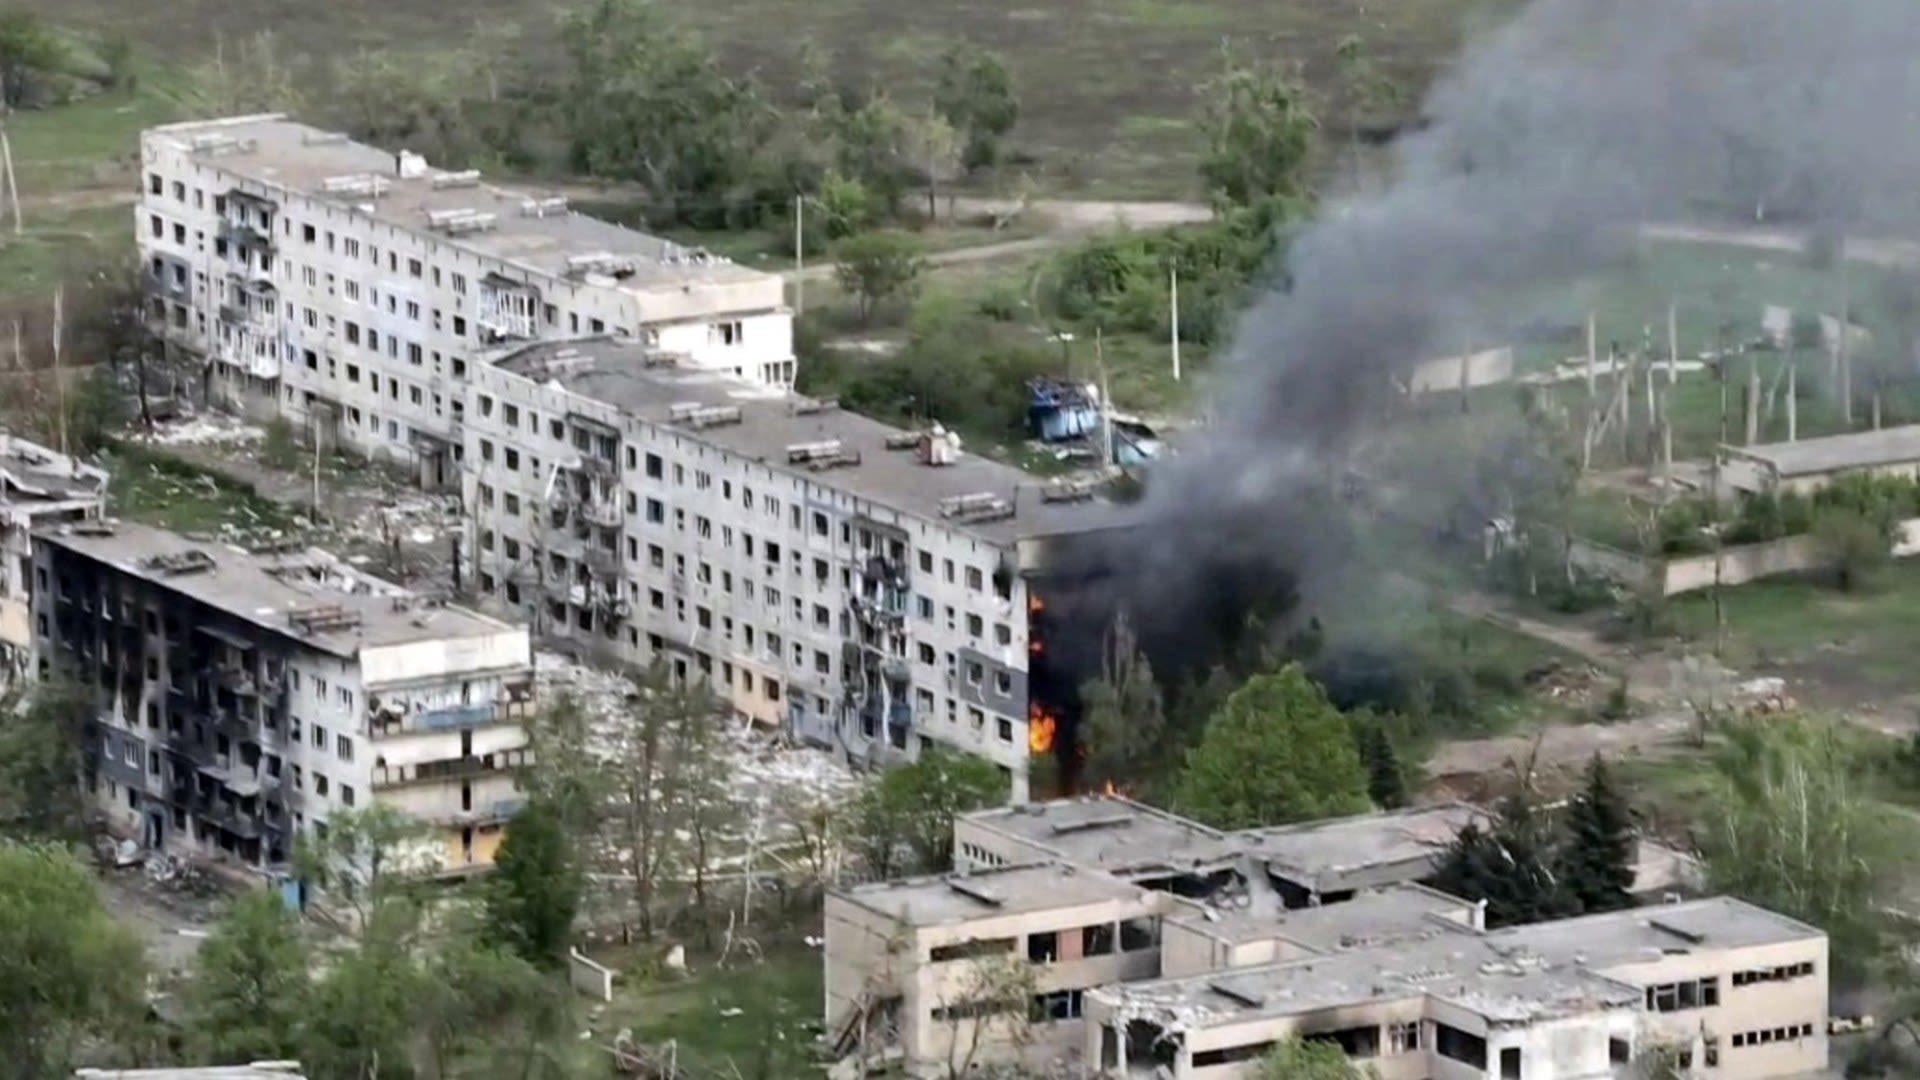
(1546,146)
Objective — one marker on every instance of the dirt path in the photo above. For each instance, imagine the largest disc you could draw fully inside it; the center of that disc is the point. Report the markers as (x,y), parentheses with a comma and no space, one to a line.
(1889,253)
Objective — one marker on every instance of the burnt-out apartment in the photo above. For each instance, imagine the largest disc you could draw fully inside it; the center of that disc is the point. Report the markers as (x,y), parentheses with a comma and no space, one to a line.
(38,487)
(246,696)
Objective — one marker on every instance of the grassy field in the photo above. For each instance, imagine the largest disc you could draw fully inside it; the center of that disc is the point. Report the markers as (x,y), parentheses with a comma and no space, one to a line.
(1106,86)
(159,489)
(753,1020)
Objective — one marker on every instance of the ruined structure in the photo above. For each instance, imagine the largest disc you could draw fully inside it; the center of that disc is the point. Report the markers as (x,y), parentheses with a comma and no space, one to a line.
(1147,945)
(38,487)
(246,696)
(868,588)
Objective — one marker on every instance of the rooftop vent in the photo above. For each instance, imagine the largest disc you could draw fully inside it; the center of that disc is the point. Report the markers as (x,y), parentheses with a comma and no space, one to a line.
(904,440)
(705,416)
(460,220)
(320,617)
(463,178)
(1252,999)
(323,138)
(190,561)
(95,527)
(939,446)
(1078,489)
(409,166)
(975,892)
(353,184)
(1088,824)
(599,262)
(799,453)
(216,144)
(1691,937)
(539,208)
(811,406)
(976,509)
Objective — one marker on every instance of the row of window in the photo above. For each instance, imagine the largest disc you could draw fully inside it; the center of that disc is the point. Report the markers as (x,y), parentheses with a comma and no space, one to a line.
(1679,996)
(1774,974)
(1764,1036)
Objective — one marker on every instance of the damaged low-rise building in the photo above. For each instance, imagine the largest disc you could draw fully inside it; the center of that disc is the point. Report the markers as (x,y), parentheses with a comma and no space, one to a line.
(247,696)
(38,487)
(1321,929)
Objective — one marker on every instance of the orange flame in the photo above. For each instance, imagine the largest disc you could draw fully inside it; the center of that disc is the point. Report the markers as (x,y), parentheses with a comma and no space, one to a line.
(1035,604)
(1107,788)
(1041,727)
(1036,647)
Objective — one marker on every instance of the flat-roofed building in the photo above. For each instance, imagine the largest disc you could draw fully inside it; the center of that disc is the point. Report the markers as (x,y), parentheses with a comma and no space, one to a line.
(1735,989)
(348,288)
(1221,936)
(1111,833)
(863,586)
(914,964)
(245,697)
(1807,465)
(1322,862)
(38,487)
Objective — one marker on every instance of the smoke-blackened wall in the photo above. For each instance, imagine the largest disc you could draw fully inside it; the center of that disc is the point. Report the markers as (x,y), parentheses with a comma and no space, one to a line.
(1547,145)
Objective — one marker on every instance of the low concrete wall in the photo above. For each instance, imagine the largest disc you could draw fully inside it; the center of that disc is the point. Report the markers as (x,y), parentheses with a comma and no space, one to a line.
(586,977)
(1738,564)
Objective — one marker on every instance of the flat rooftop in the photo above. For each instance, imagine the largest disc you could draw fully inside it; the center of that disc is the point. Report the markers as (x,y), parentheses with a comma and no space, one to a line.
(1318,849)
(772,424)
(273,150)
(31,473)
(309,596)
(1113,834)
(1398,913)
(1834,453)
(1018,889)
(1515,975)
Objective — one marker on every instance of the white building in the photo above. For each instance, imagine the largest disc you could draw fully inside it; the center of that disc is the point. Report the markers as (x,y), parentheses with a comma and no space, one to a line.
(348,288)
(864,586)
(247,696)
(38,487)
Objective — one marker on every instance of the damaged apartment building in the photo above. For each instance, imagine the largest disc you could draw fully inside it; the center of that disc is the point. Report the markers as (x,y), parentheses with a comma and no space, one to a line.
(38,487)
(1149,947)
(348,288)
(247,696)
(863,586)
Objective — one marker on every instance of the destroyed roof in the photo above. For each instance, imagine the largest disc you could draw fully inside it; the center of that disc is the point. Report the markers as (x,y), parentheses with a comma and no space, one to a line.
(771,424)
(1019,889)
(309,595)
(1516,975)
(1397,913)
(1836,453)
(30,472)
(1114,834)
(1320,853)
(273,150)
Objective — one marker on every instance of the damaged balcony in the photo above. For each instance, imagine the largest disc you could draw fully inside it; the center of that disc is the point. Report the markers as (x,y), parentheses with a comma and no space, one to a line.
(388,777)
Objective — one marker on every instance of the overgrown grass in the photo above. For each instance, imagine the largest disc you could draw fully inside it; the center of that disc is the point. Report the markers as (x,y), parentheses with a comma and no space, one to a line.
(158,489)
(1868,635)
(753,1020)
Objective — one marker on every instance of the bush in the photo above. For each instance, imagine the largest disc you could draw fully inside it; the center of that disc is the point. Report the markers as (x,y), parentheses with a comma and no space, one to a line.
(1854,541)
(279,449)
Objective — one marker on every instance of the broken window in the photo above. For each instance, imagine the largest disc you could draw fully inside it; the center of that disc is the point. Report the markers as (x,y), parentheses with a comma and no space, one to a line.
(1096,940)
(1043,948)
(1139,934)
(962,950)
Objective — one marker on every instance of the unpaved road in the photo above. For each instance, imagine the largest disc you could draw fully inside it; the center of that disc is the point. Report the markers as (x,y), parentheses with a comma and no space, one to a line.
(1888,253)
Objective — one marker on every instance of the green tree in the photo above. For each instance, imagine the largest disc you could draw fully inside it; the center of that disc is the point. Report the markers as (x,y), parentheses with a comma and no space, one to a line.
(1277,753)
(367,860)
(361,1013)
(1789,829)
(248,993)
(644,100)
(1308,1059)
(845,206)
(43,734)
(250,76)
(875,141)
(28,51)
(485,1012)
(1123,721)
(534,893)
(975,93)
(1259,133)
(67,971)
(903,822)
(878,267)
(1386,778)
(1853,542)
(933,150)
(1510,866)
(1596,861)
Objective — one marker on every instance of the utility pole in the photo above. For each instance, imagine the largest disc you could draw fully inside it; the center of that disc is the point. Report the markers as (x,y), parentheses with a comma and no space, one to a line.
(799,256)
(13,182)
(1673,343)
(59,383)
(313,426)
(1106,402)
(1173,335)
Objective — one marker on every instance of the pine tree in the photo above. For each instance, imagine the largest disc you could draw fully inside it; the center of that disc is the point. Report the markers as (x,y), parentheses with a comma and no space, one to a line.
(535,890)
(1597,857)
(1512,867)
(1386,780)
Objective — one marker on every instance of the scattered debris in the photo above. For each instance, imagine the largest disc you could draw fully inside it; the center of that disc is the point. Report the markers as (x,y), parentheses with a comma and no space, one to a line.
(204,429)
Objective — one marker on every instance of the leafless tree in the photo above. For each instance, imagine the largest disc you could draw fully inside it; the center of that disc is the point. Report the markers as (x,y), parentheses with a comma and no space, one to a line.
(989,1006)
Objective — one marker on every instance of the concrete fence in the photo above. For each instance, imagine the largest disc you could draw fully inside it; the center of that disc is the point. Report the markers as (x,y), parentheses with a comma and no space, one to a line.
(586,977)
(1737,564)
